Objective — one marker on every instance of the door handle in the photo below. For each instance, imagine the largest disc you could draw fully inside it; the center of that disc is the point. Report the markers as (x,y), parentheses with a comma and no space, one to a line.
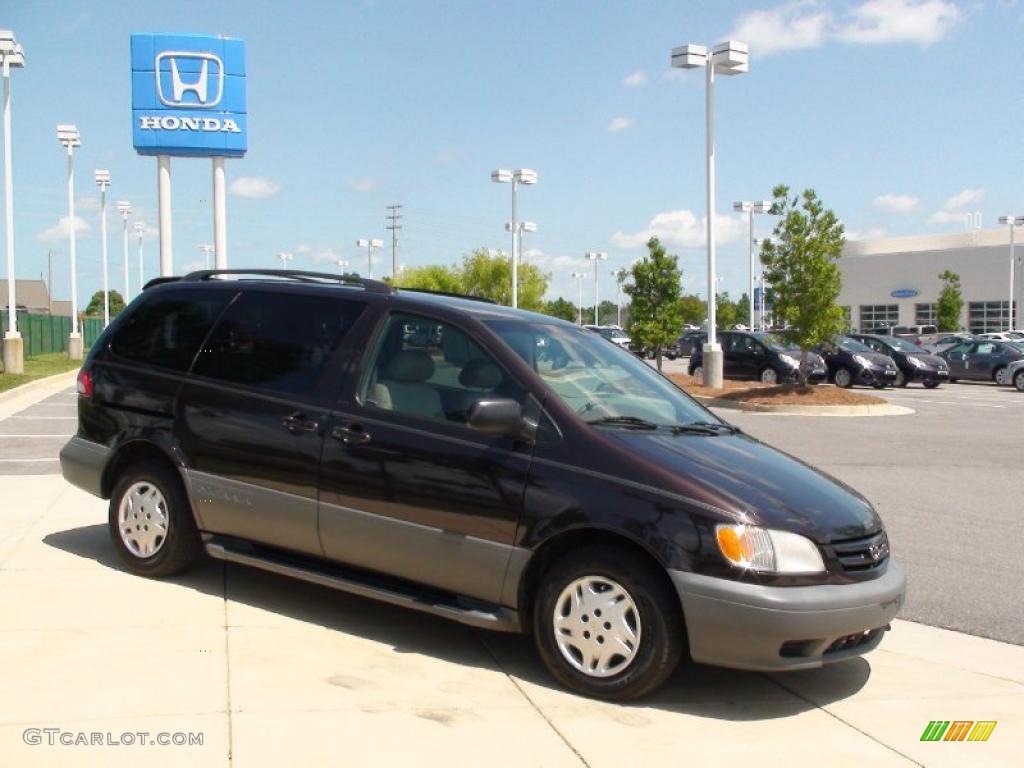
(351,435)
(298,422)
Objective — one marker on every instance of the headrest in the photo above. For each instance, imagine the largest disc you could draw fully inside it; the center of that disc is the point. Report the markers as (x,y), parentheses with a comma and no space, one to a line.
(411,365)
(480,374)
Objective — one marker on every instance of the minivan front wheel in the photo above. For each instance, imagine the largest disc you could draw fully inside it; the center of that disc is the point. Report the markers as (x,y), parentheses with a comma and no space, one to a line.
(151,521)
(606,625)
(769,376)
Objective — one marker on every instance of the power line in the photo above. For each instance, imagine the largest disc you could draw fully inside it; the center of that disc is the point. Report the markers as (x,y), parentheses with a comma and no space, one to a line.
(393,218)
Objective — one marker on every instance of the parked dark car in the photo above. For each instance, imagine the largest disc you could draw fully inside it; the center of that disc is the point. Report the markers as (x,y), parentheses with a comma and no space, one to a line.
(766,357)
(689,341)
(913,363)
(982,360)
(518,473)
(851,362)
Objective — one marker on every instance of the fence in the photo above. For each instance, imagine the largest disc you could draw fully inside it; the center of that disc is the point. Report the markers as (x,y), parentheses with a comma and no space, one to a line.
(46,334)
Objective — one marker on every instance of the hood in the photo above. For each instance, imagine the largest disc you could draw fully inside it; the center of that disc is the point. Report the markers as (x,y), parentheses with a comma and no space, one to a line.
(933,360)
(746,476)
(879,359)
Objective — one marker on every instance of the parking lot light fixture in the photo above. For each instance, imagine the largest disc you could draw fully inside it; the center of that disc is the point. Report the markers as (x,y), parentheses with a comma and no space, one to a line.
(596,257)
(578,277)
(370,246)
(11,57)
(125,209)
(69,138)
(519,176)
(750,208)
(728,58)
(103,181)
(140,230)
(285,258)
(1012,222)
(342,264)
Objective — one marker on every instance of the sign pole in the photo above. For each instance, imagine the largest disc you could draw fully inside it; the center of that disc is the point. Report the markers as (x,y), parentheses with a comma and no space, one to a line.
(220,221)
(164,196)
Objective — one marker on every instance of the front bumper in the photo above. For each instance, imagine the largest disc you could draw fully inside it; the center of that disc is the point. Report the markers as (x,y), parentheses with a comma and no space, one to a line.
(82,463)
(877,376)
(750,626)
(929,374)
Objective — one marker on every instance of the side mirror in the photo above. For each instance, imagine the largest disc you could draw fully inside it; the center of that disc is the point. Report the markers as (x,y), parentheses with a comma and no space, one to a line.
(498,416)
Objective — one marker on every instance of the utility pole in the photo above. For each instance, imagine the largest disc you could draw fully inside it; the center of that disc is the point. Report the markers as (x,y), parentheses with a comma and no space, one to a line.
(393,218)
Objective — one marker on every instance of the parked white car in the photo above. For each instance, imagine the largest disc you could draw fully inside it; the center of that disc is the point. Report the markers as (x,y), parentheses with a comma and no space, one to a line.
(1003,335)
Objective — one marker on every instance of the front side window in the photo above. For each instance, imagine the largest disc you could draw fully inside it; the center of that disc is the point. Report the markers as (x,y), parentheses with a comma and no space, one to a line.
(433,370)
(276,341)
(598,381)
(166,329)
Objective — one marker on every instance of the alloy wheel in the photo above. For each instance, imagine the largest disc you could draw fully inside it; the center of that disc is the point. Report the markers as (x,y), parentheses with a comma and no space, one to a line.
(142,519)
(769,376)
(1001,377)
(843,378)
(597,626)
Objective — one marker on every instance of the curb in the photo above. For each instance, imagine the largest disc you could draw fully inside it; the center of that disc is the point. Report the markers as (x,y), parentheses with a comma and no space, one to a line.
(882,409)
(43,383)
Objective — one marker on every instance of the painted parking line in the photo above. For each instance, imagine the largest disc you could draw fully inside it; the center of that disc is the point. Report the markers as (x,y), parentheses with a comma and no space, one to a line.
(54,418)
(29,461)
(33,437)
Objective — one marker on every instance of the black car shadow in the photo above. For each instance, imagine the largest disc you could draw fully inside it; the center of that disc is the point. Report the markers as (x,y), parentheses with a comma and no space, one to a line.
(694,689)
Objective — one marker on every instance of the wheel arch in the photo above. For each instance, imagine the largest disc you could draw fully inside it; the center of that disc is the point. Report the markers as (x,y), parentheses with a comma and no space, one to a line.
(129,453)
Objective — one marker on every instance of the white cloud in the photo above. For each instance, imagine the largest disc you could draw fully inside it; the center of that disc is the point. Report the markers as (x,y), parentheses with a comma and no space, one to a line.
(364,185)
(60,231)
(900,21)
(682,229)
(619,124)
(91,204)
(953,209)
(788,27)
(894,203)
(636,79)
(256,187)
(303,248)
(446,156)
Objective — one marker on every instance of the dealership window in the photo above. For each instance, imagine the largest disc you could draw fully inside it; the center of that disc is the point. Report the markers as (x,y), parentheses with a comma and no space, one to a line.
(924,314)
(988,316)
(875,316)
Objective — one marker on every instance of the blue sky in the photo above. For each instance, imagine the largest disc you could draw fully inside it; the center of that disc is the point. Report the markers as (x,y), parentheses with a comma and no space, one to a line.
(902,114)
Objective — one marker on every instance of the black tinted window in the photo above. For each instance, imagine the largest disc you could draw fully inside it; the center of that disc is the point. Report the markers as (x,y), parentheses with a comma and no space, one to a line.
(276,341)
(167,329)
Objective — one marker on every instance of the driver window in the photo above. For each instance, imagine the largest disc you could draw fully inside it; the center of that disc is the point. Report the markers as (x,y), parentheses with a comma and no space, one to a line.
(432,370)
(985,349)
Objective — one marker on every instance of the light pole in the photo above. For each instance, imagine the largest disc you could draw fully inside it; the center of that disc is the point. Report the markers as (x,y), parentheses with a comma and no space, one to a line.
(140,230)
(596,257)
(516,177)
(578,277)
(69,138)
(12,57)
(619,275)
(125,209)
(758,243)
(103,181)
(370,246)
(1013,222)
(342,263)
(285,258)
(207,249)
(750,208)
(728,58)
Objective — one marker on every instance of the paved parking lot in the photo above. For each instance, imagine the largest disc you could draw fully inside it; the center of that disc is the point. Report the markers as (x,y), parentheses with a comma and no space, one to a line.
(31,438)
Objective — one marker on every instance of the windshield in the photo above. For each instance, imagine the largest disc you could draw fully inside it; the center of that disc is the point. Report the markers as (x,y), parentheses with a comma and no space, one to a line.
(895,342)
(776,342)
(613,333)
(599,381)
(851,345)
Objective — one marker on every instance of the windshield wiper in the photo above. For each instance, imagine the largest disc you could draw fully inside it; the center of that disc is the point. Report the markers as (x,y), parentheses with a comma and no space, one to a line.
(632,422)
(705,428)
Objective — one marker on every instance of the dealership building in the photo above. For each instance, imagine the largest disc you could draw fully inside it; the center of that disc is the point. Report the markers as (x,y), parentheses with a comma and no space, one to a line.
(895,280)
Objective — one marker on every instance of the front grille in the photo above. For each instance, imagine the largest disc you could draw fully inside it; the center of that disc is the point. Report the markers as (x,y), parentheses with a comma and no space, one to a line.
(864,554)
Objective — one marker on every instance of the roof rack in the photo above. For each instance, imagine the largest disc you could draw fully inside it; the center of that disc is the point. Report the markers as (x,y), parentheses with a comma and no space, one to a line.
(372,286)
(160,281)
(449,293)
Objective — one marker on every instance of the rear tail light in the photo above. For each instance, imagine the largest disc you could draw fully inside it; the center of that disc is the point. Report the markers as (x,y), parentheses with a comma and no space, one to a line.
(85,383)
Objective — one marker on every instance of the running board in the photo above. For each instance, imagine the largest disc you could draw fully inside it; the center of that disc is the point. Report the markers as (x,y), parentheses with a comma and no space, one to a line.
(480,615)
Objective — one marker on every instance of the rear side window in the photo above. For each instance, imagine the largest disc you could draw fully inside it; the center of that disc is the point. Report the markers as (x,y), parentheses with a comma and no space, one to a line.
(167,329)
(275,341)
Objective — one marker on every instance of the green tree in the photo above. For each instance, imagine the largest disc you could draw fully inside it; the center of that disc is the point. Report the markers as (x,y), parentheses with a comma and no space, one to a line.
(490,276)
(725,311)
(742,306)
(950,304)
(435,277)
(655,318)
(800,261)
(560,307)
(95,306)
(692,309)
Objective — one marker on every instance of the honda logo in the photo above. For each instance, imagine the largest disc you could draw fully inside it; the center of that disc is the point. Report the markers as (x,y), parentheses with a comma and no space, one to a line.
(205,87)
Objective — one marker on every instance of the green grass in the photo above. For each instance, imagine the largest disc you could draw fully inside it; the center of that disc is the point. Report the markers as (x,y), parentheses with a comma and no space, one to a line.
(37,368)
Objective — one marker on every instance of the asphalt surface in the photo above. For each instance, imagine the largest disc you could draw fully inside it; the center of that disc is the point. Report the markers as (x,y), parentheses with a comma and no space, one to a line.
(947,480)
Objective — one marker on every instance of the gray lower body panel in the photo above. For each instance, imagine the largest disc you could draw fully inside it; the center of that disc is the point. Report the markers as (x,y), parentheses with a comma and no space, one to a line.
(82,463)
(746,626)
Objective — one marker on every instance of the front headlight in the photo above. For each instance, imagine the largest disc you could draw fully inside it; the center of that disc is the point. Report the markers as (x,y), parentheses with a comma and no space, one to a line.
(768,551)
(917,362)
(863,362)
(789,360)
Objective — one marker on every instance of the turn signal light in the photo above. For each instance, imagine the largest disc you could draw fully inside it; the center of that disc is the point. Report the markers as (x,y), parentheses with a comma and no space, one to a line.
(85,384)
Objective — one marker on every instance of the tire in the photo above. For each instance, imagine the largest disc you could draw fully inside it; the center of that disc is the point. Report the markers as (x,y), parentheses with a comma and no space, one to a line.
(649,354)
(655,617)
(768,376)
(698,371)
(1018,380)
(901,379)
(931,384)
(879,385)
(156,492)
(952,380)
(843,378)
(999,376)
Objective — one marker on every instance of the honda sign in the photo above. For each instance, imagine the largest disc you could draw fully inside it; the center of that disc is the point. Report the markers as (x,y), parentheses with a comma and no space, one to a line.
(188,95)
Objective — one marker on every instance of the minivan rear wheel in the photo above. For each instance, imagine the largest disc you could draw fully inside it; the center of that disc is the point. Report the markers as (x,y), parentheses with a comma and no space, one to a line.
(151,521)
(606,625)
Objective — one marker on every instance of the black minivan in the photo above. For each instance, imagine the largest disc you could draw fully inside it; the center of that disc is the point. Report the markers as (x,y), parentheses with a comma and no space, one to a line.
(767,357)
(497,467)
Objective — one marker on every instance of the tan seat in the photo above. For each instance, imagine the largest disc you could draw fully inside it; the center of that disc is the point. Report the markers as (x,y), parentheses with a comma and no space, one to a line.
(403,387)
